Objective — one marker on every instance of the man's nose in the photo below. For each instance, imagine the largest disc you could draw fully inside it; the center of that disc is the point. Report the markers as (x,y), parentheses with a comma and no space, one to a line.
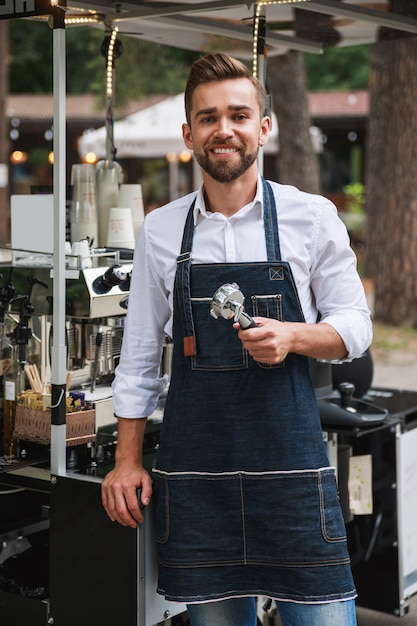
(224,127)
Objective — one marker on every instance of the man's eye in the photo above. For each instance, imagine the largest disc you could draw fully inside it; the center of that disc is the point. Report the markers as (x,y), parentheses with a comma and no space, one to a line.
(207,120)
(240,117)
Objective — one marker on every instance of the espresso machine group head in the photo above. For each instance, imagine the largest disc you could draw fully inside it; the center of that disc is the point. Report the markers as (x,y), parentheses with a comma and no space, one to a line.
(113,276)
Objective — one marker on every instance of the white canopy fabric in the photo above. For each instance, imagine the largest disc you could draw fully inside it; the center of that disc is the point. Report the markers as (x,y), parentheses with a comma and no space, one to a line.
(152,132)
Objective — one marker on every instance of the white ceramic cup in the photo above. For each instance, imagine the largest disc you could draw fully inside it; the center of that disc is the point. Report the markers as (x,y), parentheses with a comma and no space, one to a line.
(81,254)
(120,232)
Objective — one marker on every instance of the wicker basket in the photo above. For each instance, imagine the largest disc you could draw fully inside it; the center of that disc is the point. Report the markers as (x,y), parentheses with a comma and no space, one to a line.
(34,425)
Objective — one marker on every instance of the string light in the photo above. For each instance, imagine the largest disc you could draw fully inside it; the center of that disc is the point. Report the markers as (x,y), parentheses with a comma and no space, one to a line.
(110,64)
(90,17)
(258,12)
(78,21)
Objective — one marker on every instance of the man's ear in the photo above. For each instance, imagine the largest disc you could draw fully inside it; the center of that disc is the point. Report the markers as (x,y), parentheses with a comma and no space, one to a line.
(187,136)
(265,130)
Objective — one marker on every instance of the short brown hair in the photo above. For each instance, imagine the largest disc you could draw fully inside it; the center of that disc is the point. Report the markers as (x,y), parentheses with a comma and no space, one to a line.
(217,67)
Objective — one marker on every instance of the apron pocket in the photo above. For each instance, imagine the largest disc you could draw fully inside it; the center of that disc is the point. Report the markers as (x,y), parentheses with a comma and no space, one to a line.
(333,525)
(217,345)
(268,306)
(293,518)
(199,519)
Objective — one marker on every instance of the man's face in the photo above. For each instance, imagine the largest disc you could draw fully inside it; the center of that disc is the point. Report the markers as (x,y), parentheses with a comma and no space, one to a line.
(226,128)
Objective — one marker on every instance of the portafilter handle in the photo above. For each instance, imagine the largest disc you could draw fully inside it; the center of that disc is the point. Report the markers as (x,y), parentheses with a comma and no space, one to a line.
(228,302)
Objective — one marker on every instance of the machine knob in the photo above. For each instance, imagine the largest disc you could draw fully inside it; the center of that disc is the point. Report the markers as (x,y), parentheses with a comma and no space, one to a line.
(346,390)
(124,302)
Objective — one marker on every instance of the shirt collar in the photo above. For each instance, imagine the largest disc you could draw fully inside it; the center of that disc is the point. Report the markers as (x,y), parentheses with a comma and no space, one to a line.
(200,205)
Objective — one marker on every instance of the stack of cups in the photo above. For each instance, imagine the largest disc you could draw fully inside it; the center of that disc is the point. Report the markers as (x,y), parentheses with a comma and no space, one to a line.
(108,178)
(120,229)
(131,196)
(84,207)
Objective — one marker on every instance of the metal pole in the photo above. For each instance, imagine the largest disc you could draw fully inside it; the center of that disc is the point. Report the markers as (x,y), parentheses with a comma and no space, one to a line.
(259,59)
(4,135)
(58,411)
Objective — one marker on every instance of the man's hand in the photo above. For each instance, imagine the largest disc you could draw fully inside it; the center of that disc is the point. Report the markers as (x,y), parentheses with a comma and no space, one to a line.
(271,341)
(119,488)
(119,494)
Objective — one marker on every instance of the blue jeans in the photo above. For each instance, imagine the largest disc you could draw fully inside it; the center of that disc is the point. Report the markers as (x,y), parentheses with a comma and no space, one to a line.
(242,612)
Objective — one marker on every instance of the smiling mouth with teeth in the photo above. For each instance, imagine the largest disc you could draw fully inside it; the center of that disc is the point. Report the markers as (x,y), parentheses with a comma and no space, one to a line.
(225,150)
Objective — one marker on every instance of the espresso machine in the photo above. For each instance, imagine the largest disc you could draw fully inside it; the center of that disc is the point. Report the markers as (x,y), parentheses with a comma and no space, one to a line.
(56,541)
(96,301)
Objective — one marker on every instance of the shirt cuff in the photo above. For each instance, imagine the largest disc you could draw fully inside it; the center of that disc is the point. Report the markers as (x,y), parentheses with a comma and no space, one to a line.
(356,333)
(135,396)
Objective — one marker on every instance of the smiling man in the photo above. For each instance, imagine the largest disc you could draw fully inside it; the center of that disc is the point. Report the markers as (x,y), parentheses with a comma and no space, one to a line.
(245,501)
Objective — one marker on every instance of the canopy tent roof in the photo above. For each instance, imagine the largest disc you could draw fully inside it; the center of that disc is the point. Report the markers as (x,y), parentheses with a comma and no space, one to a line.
(228,24)
(152,132)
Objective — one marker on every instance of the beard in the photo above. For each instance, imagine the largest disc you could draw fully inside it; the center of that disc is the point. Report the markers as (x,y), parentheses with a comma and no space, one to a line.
(225,170)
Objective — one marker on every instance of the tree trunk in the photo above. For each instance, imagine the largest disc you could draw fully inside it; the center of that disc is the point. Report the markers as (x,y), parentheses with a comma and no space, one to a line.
(4,138)
(391,191)
(298,164)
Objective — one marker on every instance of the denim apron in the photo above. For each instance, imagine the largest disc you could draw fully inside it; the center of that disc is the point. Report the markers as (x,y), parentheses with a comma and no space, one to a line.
(245,502)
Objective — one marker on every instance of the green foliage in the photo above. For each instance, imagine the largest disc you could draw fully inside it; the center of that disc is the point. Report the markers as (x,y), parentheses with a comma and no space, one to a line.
(31,63)
(147,68)
(355,193)
(30,57)
(39,156)
(355,218)
(143,69)
(86,66)
(338,69)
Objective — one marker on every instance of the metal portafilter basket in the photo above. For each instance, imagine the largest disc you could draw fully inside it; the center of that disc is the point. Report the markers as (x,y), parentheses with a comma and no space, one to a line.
(228,302)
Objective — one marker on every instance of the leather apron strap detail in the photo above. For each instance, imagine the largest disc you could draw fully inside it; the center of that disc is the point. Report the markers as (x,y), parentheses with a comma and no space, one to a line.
(182,285)
(189,346)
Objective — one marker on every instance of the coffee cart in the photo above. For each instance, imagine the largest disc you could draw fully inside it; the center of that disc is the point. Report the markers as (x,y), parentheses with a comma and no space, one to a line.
(79,569)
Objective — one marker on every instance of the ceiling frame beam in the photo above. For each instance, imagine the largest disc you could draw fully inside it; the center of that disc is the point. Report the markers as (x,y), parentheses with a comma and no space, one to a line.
(244,34)
(180,9)
(342,9)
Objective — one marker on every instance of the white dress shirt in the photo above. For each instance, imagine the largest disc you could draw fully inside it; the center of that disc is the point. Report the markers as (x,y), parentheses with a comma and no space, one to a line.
(312,239)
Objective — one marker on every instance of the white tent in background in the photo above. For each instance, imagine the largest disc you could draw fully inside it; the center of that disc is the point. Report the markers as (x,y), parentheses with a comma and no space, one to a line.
(152,132)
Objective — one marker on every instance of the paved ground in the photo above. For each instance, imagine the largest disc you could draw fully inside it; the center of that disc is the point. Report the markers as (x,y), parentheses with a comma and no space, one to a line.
(395,359)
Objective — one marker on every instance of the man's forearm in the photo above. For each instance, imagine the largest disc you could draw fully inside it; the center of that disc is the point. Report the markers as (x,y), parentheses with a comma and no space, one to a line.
(130,439)
(320,341)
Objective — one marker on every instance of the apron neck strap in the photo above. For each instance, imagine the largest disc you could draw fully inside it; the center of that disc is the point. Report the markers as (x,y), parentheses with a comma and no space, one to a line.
(182,284)
(273,249)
